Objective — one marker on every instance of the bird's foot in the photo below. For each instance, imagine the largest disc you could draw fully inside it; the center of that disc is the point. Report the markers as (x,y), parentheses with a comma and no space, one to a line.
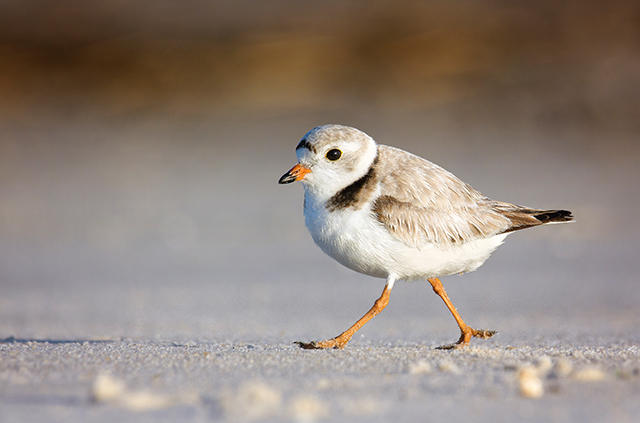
(336,343)
(483,333)
(466,336)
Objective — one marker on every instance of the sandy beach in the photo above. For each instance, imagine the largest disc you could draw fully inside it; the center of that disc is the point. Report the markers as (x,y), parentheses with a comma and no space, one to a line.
(152,269)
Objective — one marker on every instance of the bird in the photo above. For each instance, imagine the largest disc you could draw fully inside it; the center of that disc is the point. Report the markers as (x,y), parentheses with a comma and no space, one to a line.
(384,212)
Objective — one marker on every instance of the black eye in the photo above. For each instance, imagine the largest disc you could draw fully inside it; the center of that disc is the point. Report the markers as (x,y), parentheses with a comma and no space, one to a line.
(334,154)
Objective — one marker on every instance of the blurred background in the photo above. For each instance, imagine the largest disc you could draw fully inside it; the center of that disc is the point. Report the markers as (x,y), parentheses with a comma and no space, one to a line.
(141,143)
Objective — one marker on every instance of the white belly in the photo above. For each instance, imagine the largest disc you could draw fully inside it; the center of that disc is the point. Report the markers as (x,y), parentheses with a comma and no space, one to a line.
(358,241)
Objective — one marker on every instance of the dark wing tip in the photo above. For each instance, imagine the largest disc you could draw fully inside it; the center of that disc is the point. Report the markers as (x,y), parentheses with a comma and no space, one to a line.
(549,216)
(522,217)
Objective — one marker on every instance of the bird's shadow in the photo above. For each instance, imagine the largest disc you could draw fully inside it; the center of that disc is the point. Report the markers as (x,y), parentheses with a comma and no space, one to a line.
(14,340)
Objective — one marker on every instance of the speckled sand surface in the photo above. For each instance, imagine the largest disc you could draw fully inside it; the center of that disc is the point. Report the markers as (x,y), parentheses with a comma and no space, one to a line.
(129,380)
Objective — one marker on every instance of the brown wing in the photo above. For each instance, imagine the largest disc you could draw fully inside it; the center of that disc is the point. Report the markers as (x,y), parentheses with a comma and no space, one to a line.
(423,203)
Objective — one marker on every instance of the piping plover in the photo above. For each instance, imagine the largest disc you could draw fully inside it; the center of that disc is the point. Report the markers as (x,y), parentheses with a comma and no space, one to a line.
(387,213)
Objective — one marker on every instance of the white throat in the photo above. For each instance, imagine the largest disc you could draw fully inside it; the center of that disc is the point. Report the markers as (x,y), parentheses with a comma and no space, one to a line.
(326,181)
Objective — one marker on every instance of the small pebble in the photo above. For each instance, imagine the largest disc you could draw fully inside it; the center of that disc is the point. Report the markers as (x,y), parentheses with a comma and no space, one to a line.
(106,388)
(420,368)
(447,366)
(563,367)
(308,409)
(588,374)
(253,401)
(530,383)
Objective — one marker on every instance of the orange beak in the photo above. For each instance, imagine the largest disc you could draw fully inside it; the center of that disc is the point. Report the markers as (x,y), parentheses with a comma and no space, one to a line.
(296,173)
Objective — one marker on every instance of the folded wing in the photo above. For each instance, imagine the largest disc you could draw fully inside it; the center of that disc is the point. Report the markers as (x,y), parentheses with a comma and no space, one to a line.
(430,205)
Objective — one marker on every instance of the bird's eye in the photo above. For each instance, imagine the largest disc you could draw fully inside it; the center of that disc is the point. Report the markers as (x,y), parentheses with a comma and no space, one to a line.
(334,154)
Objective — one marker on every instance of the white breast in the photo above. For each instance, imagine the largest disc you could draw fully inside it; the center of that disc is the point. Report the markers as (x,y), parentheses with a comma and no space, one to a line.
(351,237)
(357,240)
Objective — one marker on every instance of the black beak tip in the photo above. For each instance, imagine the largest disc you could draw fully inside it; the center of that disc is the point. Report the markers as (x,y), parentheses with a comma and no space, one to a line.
(287,178)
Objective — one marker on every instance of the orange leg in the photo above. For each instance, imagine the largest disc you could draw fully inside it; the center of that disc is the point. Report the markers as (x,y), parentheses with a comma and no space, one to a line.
(466,332)
(341,340)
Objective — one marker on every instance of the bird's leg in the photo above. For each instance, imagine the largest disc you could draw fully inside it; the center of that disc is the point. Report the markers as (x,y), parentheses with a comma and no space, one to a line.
(466,332)
(341,340)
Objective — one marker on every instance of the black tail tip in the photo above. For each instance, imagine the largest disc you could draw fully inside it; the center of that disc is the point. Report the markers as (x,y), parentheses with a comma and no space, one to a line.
(550,216)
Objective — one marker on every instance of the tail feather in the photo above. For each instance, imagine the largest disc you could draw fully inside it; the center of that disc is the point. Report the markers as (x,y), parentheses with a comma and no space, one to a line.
(553,216)
(522,217)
